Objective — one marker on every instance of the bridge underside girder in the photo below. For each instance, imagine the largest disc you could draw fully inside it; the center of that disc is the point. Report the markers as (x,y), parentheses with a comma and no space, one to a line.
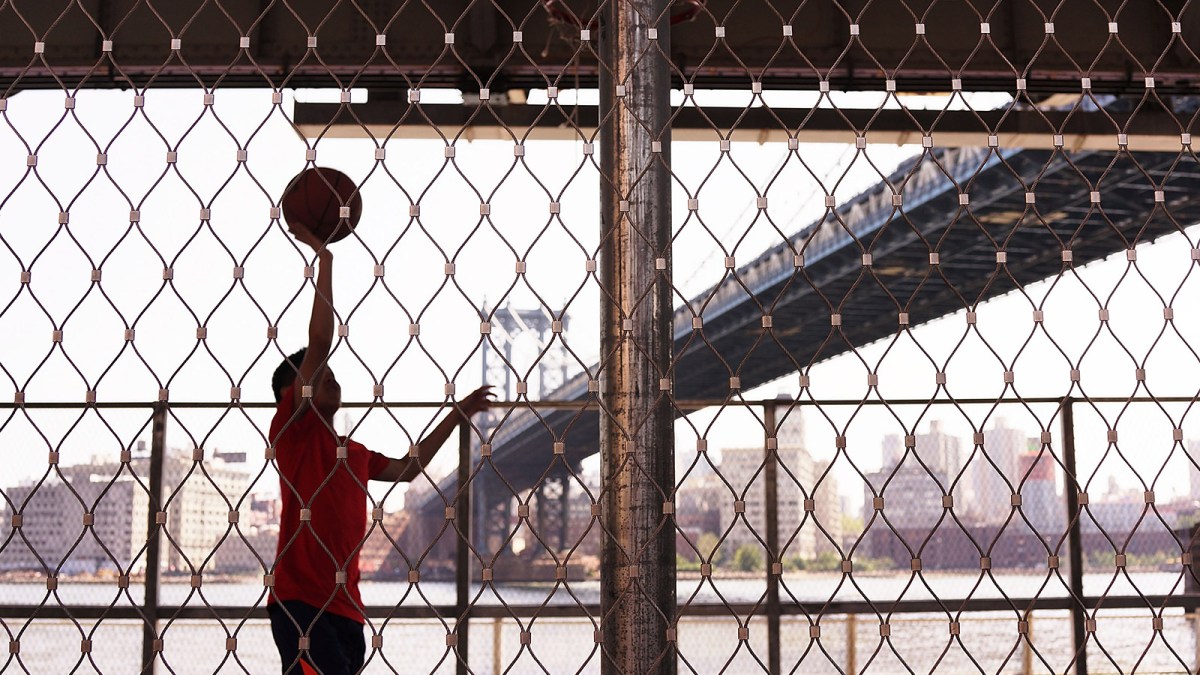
(802,301)
(854,45)
(1150,129)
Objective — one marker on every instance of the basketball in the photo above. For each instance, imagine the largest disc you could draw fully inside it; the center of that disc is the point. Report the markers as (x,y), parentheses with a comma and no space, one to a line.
(315,198)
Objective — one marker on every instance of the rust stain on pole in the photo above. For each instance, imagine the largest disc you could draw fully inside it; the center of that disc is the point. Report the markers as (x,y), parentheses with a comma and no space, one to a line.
(636,435)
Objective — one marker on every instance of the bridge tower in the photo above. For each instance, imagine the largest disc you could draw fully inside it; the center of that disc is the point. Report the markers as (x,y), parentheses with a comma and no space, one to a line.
(525,335)
(521,359)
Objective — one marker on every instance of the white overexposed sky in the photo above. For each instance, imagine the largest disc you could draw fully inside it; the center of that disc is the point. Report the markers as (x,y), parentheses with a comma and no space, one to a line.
(207,174)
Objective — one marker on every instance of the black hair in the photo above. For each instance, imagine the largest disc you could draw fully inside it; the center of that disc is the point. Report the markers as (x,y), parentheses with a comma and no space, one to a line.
(285,374)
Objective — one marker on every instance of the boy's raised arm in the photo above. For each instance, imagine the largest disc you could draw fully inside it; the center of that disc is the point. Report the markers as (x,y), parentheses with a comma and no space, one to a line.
(320,324)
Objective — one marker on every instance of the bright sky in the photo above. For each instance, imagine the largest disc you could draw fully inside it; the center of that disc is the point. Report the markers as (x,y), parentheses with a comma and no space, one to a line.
(169,232)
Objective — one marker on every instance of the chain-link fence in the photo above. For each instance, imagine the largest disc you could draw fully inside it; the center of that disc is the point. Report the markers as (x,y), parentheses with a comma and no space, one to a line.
(825,336)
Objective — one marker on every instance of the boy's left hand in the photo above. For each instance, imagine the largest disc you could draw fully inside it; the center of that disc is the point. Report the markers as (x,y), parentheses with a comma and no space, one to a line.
(477,401)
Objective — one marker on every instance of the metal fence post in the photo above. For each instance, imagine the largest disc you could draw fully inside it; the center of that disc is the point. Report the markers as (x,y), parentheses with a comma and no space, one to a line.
(1074,539)
(497,646)
(851,643)
(158,450)
(1027,649)
(462,553)
(774,557)
(637,577)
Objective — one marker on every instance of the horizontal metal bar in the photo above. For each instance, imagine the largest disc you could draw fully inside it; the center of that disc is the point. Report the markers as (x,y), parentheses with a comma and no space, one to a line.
(925,78)
(886,608)
(1148,130)
(887,51)
(686,404)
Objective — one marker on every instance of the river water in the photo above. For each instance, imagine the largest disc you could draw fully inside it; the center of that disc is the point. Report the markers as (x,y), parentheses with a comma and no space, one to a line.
(1125,640)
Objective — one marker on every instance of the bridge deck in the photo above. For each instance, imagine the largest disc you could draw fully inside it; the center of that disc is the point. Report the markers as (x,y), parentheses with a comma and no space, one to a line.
(832,277)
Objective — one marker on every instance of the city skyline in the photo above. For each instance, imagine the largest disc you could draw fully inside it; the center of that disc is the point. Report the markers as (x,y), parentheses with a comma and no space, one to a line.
(912,499)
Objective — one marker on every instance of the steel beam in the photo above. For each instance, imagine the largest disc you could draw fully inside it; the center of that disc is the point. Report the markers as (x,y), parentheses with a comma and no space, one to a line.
(1075,130)
(817,42)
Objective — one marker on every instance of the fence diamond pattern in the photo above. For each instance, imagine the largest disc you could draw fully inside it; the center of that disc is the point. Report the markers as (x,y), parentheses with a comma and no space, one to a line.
(827,336)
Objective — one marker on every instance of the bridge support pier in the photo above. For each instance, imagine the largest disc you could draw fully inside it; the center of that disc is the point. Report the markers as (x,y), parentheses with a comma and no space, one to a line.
(553,511)
(496,524)
(637,566)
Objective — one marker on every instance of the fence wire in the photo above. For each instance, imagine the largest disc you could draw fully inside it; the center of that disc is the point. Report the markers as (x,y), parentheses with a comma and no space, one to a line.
(826,336)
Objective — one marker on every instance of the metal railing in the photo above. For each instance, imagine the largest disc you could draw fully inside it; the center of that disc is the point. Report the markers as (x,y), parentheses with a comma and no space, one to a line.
(813,616)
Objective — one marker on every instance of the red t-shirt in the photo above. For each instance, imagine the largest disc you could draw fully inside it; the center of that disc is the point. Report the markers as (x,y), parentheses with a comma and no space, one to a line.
(311,476)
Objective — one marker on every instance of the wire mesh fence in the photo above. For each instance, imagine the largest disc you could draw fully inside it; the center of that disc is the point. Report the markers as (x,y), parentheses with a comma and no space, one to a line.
(823,336)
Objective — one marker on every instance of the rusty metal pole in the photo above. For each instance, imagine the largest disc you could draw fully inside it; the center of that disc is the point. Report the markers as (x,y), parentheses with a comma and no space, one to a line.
(774,558)
(1074,539)
(158,451)
(851,643)
(637,582)
(462,557)
(1027,648)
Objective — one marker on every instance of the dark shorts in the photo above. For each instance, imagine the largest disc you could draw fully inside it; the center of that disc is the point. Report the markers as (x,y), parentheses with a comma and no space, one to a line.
(336,644)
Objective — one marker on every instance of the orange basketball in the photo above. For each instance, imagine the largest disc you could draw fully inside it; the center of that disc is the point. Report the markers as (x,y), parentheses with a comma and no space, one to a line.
(315,198)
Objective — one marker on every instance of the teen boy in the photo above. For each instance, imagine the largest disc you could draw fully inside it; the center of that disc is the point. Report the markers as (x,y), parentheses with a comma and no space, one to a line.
(323,489)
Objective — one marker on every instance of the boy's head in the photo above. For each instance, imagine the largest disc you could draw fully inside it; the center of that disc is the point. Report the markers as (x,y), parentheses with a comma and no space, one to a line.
(285,374)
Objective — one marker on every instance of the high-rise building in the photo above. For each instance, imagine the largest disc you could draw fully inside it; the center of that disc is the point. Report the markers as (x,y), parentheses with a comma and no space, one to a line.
(1039,495)
(52,538)
(941,452)
(797,476)
(995,473)
(698,501)
(91,517)
(913,484)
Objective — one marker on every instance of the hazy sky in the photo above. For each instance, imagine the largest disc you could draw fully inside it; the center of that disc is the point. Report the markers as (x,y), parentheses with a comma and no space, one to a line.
(169,232)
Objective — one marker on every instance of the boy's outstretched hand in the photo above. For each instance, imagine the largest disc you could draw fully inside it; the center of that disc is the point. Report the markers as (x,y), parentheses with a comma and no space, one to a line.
(477,401)
(410,467)
(305,236)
